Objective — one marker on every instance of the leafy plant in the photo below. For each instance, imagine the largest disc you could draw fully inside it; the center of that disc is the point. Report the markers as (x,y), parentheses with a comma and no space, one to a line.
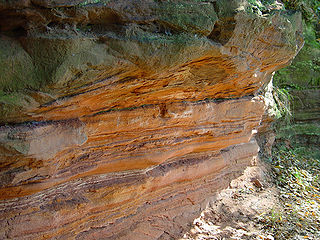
(309,8)
(282,99)
(297,178)
(304,72)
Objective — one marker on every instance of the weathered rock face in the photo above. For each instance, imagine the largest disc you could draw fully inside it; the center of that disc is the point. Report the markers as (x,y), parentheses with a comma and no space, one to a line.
(306,105)
(304,129)
(120,119)
(301,82)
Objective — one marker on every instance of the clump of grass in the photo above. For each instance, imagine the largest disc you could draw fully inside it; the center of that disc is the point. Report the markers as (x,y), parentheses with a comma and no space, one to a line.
(297,176)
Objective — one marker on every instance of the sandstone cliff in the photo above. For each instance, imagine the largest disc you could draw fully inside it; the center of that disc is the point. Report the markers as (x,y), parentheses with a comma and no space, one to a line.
(120,119)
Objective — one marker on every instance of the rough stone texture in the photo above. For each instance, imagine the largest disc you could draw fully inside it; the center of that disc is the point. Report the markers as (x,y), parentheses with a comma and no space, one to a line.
(306,105)
(302,81)
(121,119)
(305,128)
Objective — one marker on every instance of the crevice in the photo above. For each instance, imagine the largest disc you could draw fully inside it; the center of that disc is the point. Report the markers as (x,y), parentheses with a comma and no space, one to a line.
(11,24)
(223,30)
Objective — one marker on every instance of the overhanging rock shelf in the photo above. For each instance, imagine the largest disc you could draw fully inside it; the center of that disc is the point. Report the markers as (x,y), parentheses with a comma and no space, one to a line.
(120,119)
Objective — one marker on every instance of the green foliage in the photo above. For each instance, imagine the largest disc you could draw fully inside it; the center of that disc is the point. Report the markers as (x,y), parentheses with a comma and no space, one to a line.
(282,99)
(310,8)
(303,129)
(264,6)
(304,72)
(273,218)
(297,176)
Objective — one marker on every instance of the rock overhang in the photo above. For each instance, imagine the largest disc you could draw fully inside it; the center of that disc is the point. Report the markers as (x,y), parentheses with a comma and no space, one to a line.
(120,121)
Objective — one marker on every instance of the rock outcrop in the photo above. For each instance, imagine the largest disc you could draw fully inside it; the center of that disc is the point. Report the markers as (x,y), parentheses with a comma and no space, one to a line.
(300,84)
(304,128)
(120,119)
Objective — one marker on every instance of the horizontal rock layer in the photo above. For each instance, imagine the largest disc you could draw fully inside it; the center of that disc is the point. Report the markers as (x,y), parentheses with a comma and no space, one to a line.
(304,129)
(133,165)
(306,105)
(120,120)
(106,66)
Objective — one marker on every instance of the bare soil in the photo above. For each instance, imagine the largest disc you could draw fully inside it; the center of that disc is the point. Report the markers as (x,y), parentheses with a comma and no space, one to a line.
(237,211)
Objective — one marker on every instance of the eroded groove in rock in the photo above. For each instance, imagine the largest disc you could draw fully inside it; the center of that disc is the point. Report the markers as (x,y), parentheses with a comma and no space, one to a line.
(120,119)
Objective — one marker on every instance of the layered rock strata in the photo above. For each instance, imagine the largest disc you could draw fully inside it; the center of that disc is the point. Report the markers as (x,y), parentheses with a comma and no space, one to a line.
(304,128)
(121,119)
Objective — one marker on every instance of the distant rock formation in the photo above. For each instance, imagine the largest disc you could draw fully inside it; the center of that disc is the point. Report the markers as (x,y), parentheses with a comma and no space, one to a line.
(120,119)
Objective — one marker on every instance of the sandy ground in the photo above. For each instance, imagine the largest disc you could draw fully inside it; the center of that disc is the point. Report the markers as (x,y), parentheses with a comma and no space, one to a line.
(235,212)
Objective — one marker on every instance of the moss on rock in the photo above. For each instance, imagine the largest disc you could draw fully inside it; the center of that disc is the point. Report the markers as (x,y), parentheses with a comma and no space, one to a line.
(16,67)
(195,17)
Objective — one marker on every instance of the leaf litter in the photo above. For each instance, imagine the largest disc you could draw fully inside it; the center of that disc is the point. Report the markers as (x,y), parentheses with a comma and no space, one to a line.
(277,198)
